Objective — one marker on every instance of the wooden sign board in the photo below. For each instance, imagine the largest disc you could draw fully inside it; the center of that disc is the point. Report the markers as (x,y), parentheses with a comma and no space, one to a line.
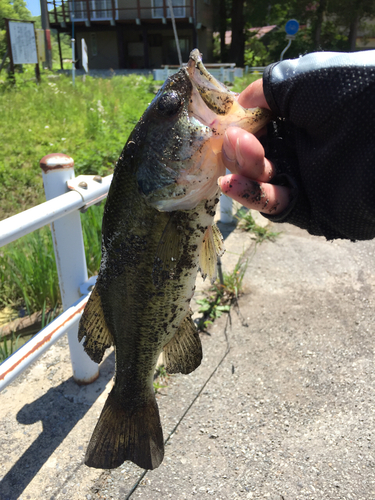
(23,44)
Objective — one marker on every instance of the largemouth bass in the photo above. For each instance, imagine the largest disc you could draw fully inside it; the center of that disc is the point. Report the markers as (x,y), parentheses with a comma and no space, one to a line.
(157,232)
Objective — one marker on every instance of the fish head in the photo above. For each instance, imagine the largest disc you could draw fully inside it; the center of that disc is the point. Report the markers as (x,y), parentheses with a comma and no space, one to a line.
(179,137)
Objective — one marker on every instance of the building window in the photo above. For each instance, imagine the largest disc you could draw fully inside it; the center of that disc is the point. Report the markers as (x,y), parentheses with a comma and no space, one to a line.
(99,10)
(179,9)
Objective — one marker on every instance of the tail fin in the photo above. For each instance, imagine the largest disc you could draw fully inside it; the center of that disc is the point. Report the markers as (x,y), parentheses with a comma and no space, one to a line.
(126,434)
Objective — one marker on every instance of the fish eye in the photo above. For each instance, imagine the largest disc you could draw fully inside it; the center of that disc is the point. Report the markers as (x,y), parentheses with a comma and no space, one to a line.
(169,103)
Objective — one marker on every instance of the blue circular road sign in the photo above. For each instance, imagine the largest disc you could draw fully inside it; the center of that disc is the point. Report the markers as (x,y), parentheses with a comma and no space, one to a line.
(291,27)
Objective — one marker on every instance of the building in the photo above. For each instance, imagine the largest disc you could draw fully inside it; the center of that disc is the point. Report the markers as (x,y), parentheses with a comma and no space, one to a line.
(134,34)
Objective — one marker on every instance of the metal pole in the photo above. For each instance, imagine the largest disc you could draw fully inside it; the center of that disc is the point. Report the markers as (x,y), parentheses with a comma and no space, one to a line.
(70,257)
(175,33)
(73,14)
(286,48)
(73,61)
(45,27)
(60,54)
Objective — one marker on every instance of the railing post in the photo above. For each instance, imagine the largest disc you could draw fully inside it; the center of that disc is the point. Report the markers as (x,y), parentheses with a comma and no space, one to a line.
(70,257)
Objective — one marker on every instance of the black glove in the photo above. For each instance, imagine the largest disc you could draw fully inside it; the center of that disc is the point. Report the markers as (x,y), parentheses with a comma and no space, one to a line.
(323,141)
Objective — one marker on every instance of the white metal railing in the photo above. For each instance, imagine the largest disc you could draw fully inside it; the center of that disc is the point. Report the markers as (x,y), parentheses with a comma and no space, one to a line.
(66,195)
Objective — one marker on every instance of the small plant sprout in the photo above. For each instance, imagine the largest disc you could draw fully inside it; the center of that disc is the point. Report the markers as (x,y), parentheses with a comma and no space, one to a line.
(223,295)
(160,378)
(247,223)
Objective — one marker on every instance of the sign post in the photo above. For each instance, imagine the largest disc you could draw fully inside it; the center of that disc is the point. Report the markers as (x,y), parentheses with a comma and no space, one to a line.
(291,28)
(85,57)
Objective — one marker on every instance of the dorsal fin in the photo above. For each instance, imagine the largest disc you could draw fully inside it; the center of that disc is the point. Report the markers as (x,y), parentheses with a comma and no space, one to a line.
(183,354)
(94,328)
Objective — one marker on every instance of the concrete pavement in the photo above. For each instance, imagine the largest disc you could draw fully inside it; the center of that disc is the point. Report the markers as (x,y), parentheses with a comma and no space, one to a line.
(281,408)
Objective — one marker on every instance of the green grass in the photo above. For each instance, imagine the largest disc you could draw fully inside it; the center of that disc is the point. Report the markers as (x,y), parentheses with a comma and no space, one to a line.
(91,122)
(8,346)
(241,83)
(28,273)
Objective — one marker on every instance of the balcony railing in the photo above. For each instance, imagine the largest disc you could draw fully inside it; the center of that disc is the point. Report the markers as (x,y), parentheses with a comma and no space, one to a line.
(65,11)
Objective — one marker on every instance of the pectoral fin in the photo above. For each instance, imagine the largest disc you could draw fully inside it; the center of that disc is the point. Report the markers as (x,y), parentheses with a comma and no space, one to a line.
(94,328)
(183,354)
(212,248)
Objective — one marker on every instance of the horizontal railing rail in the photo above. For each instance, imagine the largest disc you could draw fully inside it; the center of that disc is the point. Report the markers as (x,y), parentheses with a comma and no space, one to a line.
(28,221)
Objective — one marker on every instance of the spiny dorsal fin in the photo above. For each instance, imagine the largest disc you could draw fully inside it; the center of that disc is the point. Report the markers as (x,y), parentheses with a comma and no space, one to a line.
(212,248)
(94,328)
(167,254)
(183,354)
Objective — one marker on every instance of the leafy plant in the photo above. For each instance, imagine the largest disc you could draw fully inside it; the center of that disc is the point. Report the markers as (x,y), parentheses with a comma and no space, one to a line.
(160,378)
(260,233)
(222,295)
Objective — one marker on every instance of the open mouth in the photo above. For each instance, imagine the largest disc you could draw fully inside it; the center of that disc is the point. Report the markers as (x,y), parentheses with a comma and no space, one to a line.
(210,99)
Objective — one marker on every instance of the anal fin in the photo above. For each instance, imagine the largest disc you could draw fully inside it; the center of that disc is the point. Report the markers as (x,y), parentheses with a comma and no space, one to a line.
(94,328)
(126,433)
(183,354)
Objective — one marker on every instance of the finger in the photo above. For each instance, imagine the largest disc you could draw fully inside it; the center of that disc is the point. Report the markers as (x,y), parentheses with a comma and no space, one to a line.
(243,154)
(260,196)
(253,96)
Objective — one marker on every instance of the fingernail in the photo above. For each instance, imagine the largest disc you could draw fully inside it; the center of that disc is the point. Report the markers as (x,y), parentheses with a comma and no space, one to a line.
(228,150)
(240,159)
(219,181)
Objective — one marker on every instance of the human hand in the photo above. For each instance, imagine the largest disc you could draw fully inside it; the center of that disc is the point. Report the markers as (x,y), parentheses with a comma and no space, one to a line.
(243,155)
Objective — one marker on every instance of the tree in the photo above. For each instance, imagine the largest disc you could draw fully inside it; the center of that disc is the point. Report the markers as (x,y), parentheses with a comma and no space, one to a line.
(325,25)
(351,15)
(237,47)
(15,9)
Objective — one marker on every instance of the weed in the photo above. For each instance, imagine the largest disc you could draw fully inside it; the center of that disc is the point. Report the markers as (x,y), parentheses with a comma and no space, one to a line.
(92,237)
(247,223)
(8,346)
(160,378)
(28,273)
(90,121)
(222,295)
(48,317)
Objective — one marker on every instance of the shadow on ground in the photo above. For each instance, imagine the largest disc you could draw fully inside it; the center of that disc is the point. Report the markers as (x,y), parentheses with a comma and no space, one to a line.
(59,413)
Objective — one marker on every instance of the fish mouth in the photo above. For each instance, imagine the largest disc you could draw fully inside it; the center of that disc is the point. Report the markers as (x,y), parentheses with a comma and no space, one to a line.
(216,96)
